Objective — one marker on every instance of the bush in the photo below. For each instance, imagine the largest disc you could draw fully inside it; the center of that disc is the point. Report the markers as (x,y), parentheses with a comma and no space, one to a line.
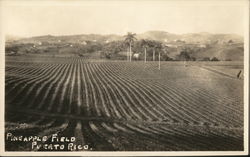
(185,56)
(206,59)
(215,59)
(165,57)
(108,55)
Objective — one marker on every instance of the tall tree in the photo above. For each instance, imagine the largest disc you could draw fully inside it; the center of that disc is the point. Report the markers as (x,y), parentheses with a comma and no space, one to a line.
(145,44)
(159,46)
(155,45)
(130,38)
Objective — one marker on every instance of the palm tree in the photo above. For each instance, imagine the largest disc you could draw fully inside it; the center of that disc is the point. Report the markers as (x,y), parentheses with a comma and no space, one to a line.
(145,44)
(159,47)
(130,38)
(154,45)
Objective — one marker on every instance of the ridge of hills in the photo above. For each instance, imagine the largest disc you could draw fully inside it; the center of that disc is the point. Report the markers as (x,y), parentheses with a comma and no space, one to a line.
(162,36)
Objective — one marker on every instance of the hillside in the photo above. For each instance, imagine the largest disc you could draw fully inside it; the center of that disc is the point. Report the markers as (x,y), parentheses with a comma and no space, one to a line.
(163,36)
(71,38)
(226,52)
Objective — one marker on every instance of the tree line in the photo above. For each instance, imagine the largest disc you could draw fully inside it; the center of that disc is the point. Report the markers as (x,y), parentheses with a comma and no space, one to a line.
(147,50)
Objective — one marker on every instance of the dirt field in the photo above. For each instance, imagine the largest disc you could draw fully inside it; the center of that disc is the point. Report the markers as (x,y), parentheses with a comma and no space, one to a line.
(122,106)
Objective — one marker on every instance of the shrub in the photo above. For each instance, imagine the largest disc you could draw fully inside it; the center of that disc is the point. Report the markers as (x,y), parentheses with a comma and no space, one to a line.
(215,59)
(206,59)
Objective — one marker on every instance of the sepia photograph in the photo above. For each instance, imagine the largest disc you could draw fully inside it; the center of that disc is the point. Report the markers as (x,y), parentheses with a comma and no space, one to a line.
(137,77)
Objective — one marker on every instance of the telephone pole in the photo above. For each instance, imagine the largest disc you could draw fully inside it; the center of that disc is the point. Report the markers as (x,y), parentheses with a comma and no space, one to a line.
(159,61)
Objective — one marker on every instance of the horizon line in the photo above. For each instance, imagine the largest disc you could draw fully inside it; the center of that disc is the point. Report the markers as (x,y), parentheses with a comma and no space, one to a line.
(119,34)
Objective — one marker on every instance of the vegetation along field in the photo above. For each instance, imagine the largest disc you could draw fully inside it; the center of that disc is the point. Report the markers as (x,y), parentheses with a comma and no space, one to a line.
(112,105)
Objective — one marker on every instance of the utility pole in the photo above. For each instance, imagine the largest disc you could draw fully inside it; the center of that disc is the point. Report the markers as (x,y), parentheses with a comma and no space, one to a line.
(130,55)
(153,55)
(145,55)
(159,61)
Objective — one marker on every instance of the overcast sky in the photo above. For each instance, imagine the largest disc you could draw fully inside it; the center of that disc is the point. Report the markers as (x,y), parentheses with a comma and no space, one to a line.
(33,18)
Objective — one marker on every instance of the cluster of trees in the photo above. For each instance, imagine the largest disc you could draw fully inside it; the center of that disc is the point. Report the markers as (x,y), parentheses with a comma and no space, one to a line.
(16,49)
(185,55)
(146,49)
(89,48)
(70,48)
(212,59)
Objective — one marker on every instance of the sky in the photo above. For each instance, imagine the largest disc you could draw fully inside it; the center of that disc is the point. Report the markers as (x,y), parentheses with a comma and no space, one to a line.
(64,17)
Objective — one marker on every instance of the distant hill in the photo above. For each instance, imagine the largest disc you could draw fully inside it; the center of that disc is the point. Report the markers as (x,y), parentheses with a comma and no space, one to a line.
(162,36)
(159,36)
(11,38)
(71,38)
(203,37)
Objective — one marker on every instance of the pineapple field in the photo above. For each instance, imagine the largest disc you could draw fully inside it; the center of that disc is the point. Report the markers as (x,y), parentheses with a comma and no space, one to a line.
(122,106)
